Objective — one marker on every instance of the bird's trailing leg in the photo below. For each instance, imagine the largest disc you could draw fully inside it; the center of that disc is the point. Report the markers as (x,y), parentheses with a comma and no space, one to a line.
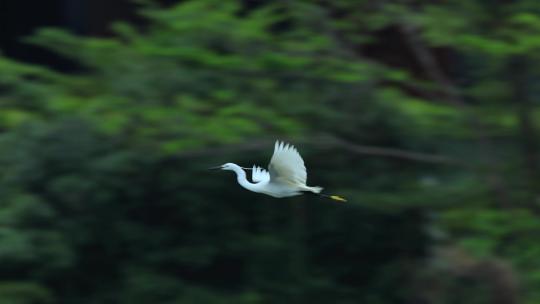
(332,197)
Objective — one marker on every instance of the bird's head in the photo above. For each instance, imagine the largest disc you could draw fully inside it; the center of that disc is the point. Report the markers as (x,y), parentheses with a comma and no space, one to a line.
(228,166)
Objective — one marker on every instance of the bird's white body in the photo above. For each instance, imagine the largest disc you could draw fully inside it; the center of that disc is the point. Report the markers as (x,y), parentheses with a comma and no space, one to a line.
(286,175)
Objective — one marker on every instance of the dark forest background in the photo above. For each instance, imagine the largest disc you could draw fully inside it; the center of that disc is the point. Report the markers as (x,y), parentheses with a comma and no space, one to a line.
(423,114)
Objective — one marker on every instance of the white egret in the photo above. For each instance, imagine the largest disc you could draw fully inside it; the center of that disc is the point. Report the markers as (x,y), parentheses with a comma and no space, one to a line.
(286,175)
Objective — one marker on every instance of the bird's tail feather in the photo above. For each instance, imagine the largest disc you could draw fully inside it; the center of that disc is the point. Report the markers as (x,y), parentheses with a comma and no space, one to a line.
(315,189)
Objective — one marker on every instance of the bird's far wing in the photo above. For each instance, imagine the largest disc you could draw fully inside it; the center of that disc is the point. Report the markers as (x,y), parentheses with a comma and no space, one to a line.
(258,174)
(287,165)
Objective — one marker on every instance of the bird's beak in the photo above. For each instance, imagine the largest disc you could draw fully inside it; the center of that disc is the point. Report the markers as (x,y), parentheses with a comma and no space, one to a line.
(216,168)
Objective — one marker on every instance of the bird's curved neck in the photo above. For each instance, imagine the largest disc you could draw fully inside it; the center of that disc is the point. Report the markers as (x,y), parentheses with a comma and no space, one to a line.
(242,180)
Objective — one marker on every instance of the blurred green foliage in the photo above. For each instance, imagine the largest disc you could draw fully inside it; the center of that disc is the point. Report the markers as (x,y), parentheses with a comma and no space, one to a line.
(104,197)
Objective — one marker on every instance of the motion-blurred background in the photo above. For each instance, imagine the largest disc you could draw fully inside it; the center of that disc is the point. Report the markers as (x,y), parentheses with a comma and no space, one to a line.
(424,114)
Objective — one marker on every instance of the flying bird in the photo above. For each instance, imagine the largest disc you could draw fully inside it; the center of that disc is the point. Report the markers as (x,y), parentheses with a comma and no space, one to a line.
(286,175)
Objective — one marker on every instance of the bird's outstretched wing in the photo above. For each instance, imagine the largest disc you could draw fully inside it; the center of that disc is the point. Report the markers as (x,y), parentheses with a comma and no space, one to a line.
(286,165)
(258,175)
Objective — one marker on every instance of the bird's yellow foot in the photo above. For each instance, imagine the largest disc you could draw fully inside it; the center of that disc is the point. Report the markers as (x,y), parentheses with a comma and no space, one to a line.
(338,198)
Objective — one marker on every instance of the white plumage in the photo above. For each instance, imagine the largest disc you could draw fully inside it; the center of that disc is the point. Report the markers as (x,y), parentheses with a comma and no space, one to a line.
(258,174)
(286,175)
(287,165)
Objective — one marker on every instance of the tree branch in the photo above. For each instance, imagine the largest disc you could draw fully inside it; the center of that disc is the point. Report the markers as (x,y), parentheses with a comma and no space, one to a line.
(397,153)
(329,141)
